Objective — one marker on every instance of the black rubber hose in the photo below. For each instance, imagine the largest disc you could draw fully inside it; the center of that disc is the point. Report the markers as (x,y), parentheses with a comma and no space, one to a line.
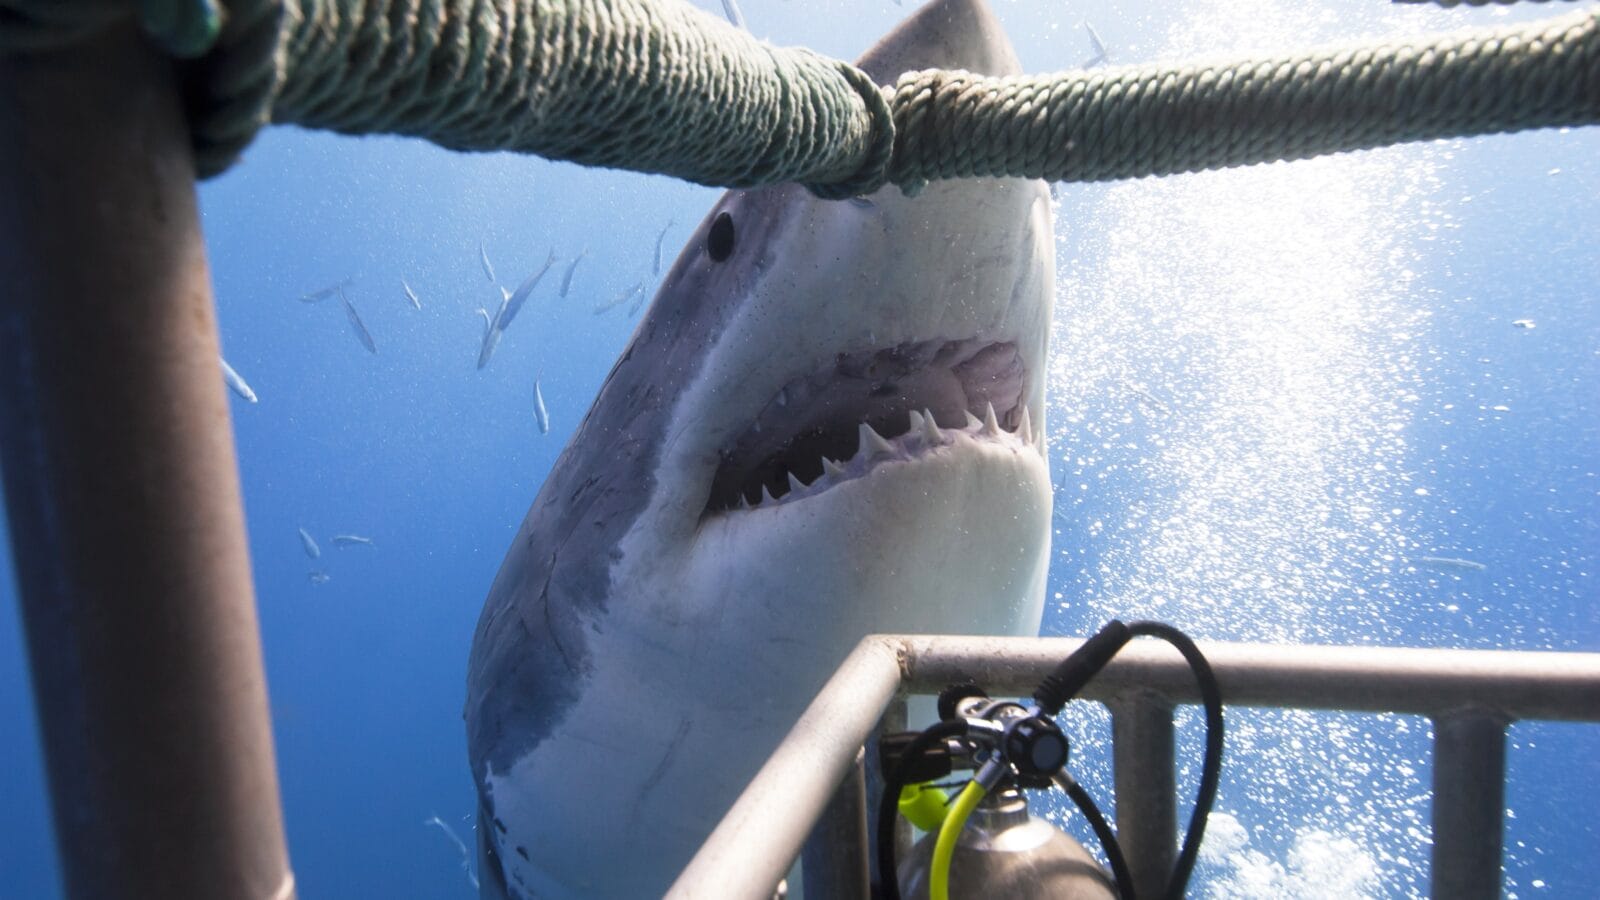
(1211,696)
(1068,678)
(1102,830)
(889,805)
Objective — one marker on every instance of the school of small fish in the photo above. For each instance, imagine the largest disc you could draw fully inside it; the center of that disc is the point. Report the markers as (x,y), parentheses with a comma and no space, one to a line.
(312,550)
(508,304)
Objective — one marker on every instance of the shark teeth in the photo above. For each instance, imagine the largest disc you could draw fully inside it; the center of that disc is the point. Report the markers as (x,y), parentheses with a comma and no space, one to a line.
(872,443)
(991,425)
(923,435)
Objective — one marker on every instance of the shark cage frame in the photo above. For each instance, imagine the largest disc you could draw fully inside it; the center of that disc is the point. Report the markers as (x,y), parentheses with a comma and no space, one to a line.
(817,774)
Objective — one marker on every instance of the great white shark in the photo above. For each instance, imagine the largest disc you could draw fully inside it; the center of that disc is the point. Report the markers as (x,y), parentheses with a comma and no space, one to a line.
(829,423)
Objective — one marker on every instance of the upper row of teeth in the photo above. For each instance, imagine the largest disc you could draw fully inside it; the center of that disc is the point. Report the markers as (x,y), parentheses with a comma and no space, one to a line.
(872,447)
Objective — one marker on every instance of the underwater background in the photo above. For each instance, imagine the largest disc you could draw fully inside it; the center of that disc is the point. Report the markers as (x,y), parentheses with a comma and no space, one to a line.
(1353,400)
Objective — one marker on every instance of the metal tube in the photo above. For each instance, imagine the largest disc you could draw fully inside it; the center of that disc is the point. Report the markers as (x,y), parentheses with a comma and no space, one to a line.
(750,850)
(752,847)
(121,488)
(1521,685)
(895,718)
(1146,783)
(1469,798)
(834,861)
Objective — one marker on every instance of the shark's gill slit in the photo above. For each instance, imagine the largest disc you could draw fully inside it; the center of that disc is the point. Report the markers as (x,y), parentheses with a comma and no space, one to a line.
(914,397)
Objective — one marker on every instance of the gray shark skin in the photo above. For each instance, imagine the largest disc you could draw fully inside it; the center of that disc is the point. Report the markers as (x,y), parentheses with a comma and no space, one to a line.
(722,529)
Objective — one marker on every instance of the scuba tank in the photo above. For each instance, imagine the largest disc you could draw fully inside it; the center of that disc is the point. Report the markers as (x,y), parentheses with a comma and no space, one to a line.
(984,843)
(1005,852)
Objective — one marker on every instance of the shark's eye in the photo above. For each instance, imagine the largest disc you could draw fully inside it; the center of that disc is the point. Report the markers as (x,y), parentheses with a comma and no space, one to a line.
(719,241)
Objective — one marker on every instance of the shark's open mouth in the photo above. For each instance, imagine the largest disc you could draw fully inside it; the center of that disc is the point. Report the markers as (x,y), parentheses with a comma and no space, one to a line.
(870,407)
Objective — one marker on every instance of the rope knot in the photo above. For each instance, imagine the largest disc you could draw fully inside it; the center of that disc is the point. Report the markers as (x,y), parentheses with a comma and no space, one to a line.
(874,171)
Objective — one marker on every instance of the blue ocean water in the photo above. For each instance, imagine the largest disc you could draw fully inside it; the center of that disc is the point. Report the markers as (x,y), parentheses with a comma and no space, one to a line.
(1274,391)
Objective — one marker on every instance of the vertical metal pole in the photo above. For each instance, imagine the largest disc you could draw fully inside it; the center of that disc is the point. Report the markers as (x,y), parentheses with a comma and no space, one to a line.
(895,717)
(122,491)
(1146,780)
(1469,799)
(834,862)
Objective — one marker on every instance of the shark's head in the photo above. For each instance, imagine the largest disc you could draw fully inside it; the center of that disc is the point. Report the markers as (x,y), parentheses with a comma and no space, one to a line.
(828,424)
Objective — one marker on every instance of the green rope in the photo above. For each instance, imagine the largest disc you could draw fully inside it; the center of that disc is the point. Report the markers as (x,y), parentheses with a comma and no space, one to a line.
(1160,120)
(658,86)
(650,86)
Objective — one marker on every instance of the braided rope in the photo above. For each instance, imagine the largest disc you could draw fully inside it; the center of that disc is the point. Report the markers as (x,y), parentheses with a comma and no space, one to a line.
(1159,120)
(658,86)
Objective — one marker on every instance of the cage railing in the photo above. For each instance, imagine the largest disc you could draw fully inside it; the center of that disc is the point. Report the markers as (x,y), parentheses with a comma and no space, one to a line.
(816,779)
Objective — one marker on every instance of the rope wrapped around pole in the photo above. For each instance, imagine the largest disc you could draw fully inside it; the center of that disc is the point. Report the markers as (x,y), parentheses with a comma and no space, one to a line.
(659,86)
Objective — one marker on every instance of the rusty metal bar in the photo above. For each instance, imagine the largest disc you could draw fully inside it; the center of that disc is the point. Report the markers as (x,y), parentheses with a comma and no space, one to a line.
(122,490)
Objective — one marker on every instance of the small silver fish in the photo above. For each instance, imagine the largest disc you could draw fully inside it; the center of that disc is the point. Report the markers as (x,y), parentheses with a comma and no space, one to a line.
(539,412)
(656,269)
(321,294)
(566,279)
(355,323)
(318,576)
(466,857)
(731,9)
(309,544)
(1452,562)
(410,294)
(351,540)
(491,334)
(514,304)
(237,383)
(1525,323)
(621,298)
(483,259)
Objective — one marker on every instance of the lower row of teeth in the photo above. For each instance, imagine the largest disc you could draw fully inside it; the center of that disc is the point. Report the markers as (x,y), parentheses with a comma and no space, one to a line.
(872,448)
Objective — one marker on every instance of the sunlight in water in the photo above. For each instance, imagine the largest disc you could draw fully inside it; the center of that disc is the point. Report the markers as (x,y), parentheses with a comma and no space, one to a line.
(1237,360)
(1249,338)
(1235,370)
